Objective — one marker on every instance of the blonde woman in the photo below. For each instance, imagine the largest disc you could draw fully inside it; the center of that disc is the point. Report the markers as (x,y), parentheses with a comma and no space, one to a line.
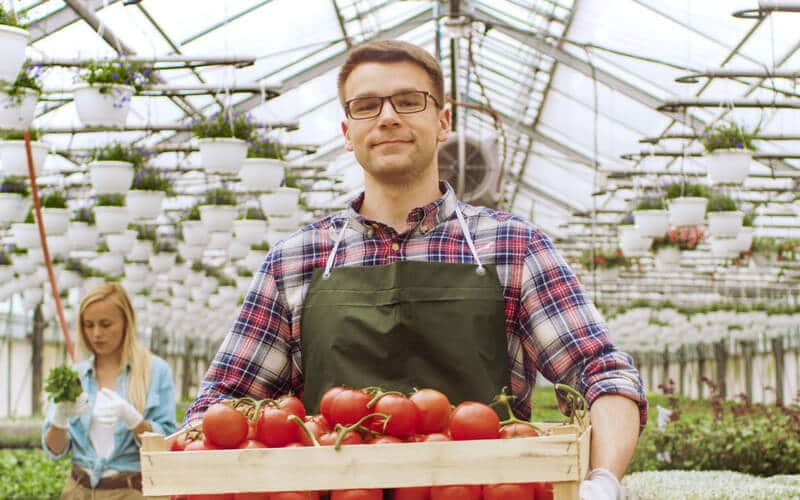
(127,391)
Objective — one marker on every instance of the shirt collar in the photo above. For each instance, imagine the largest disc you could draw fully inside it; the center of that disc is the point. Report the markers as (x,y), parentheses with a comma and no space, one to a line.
(430,215)
(87,366)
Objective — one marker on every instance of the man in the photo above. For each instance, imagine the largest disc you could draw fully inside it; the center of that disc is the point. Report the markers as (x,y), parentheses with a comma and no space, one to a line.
(401,289)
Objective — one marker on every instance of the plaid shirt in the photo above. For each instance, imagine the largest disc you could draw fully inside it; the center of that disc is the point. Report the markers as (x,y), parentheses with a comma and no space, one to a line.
(551,325)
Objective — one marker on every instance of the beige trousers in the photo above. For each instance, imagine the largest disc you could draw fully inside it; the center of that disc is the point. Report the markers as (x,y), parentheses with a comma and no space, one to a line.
(74,491)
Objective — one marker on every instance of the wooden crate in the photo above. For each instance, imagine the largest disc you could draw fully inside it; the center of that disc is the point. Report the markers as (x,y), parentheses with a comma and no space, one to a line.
(560,457)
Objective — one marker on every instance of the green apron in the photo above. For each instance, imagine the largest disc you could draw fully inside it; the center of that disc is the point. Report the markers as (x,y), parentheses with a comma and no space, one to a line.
(403,326)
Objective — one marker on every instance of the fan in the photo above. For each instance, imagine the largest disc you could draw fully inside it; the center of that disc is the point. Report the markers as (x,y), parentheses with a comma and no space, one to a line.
(481,172)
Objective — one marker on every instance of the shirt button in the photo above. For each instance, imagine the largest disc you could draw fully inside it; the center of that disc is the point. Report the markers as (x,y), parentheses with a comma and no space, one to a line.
(395,246)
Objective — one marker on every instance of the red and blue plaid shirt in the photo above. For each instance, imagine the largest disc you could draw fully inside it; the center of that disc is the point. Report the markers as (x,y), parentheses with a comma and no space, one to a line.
(551,325)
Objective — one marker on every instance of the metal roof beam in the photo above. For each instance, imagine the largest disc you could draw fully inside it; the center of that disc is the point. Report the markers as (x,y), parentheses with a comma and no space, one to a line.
(61,18)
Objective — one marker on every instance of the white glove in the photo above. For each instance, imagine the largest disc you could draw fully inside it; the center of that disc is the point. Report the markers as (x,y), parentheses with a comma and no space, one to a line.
(109,408)
(600,485)
(68,409)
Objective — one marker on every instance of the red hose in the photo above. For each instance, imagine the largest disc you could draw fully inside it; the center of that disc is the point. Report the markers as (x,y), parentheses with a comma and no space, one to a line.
(42,236)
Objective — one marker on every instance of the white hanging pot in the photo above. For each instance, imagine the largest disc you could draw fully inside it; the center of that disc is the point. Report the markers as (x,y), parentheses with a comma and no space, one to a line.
(108,263)
(31,297)
(12,45)
(199,296)
(222,155)
(56,221)
(194,279)
(14,157)
(237,250)
(6,273)
(68,279)
(191,252)
(275,236)
(729,166)
(243,284)
(254,259)
(608,275)
(134,287)
(218,217)
(11,207)
(58,245)
(141,251)
(178,273)
(23,264)
(651,223)
(667,258)
(90,283)
(180,291)
(744,240)
(220,240)
(227,293)
(111,177)
(136,271)
(283,201)
(209,284)
(725,224)
(121,243)
(262,174)
(144,205)
(161,262)
(724,248)
(687,211)
(250,231)
(111,219)
(26,236)
(195,233)
(632,243)
(82,236)
(17,111)
(103,105)
(285,222)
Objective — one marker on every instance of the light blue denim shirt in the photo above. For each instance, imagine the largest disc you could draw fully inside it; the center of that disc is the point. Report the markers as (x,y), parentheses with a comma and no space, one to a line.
(159,411)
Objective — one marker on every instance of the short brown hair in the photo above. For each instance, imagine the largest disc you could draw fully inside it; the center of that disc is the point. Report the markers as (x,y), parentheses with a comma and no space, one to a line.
(391,51)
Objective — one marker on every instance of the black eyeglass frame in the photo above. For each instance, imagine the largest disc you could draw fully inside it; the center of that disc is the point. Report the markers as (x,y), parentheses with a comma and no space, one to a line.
(389,97)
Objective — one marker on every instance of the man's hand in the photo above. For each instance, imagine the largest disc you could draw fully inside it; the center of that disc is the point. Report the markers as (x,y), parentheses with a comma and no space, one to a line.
(111,408)
(600,485)
(68,409)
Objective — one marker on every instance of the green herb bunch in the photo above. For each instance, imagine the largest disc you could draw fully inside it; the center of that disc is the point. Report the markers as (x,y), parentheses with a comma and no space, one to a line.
(5,259)
(164,247)
(63,384)
(29,78)
(254,213)
(144,232)
(193,213)
(650,202)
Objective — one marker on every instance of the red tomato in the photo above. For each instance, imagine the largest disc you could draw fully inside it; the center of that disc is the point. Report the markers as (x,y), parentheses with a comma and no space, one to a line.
(515,430)
(404,415)
(320,420)
(293,405)
(329,438)
(260,495)
(201,445)
(224,426)
(544,491)
(274,428)
(437,436)
(415,493)
(180,442)
(471,420)
(386,440)
(521,491)
(327,401)
(434,410)
(210,496)
(456,492)
(314,428)
(348,407)
(372,494)
(250,444)
(294,495)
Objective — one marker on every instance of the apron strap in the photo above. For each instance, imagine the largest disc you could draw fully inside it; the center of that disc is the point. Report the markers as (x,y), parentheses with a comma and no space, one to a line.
(332,255)
(480,270)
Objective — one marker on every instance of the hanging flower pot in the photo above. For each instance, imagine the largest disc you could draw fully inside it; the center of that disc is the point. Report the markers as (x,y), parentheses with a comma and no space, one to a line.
(121,243)
(108,263)
(254,259)
(725,224)
(13,41)
(68,279)
(14,157)
(194,279)
(222,155)
(58,245)
(285,222)
(195,233)
(209,284)
(161,262)
(220,240)
(729,166)
(191,252)
(687,211)
(275,236)
(724,248)
(12,208)
(111,219)
(26,235)
(17,110)
(111,177)
(136,271)
(283,201)
(250,231)
(744,239)
(651,223)
(24,264)
(56,221)
(218,218)
(243,284)
(179,272)
(261,174)
(237,250)
(632,243)
(103,105)
(180,291)
(141,251)
(144,205)
(667,258)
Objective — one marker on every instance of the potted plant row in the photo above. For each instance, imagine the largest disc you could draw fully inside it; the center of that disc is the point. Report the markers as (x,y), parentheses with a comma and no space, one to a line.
(13,40)
(104,97)
(18,100)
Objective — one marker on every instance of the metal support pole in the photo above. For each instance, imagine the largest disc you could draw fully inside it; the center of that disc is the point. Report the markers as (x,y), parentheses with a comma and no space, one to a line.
(748,350)
(37,346)
(682,370)
(186,61)
(675,105)
(766,7)
(738,73)
(778,352)
(151,128)
(721,358)
(701,366)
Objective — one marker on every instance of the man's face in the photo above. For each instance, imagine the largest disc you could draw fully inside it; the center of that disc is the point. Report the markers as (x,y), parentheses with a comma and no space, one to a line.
(392,147)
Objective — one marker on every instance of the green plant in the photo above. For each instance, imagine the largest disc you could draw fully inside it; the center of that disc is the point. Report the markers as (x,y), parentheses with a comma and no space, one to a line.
(5,259)
(193,213)
(164,247)
(63,384)
(651,203)
(29,217)
(719,202)
(263,247)
(253,213)
(263,147)
(601,259)
(728,136)
(179,260)
(679,189)
(9,18)
(19,135)
(148,179)
(219,196)
(223,280)
(84,215)
(198,267)
(27,79)
(110,200)
(683,238)
(245,273)
(54,200)
(144,232)
(18,185)
(225,124)
(119,72)
(116,151)
(747,220)
(627,220)
(31,473)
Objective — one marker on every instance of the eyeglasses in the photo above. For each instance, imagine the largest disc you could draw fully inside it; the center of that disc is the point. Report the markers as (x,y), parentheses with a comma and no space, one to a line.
(403,103)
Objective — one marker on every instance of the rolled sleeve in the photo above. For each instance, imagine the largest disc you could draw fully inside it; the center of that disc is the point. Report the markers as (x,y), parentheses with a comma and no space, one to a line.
(613,373)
